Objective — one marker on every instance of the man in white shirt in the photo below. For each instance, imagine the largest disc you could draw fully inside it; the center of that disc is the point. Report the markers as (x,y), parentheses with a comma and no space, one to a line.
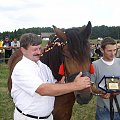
(33,85)
(15,45)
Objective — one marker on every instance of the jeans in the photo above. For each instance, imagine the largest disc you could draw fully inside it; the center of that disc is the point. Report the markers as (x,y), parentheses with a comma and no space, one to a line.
(104,114)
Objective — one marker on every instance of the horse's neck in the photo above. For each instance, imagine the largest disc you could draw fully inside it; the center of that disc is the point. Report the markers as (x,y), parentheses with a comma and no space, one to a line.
(14,59)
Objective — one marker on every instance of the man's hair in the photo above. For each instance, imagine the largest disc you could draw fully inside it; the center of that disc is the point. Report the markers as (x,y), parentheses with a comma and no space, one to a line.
(107,41)
(28,39)
(6,38)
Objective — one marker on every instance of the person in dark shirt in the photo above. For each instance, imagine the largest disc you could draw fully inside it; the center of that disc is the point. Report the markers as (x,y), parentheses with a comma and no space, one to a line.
(7,47)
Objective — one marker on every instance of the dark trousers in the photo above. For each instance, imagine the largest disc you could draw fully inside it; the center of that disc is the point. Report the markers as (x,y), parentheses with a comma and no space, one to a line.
(8,53)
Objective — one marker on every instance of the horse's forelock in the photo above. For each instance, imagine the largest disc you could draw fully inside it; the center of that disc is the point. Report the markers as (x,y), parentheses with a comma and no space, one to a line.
(78,45)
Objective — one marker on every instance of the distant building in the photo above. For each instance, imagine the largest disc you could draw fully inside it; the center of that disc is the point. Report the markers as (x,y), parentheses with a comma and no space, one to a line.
(46,36)
(99,38)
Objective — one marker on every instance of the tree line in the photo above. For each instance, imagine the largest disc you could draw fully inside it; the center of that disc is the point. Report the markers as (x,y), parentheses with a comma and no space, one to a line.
(97,31)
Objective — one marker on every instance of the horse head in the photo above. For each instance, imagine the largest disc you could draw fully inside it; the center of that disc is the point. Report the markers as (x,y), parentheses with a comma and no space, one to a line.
(76,52)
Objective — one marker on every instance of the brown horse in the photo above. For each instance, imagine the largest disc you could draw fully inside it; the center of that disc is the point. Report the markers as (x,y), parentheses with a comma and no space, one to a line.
(73,51)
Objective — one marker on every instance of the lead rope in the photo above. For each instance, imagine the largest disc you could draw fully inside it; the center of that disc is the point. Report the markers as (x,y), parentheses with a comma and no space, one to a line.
(112,108)
(117,104)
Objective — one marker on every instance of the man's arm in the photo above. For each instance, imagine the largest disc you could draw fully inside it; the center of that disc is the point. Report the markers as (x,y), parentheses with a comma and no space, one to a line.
(49,89)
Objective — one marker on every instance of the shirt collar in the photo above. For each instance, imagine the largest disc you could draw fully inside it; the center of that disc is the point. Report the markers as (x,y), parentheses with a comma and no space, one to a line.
(108,63)
(39,63)
(28,60)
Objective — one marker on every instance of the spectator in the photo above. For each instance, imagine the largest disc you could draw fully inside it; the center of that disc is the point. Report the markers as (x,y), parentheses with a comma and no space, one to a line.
(92,51)
(7,47)
(1,51)
(15,45)
(97,49)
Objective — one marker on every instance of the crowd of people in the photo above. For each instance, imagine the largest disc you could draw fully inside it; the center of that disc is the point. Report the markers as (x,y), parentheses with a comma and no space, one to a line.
(9,47)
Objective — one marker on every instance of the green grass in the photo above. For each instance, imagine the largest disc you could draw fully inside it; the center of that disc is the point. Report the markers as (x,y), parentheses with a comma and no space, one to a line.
(84,112)
(80,112)
(6,104)
(44,42)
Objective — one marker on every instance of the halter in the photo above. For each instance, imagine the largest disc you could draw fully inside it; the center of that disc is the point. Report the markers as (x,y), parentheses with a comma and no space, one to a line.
(52,45)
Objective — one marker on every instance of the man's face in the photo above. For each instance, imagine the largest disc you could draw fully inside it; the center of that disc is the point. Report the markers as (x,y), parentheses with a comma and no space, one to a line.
(33,52)
(6,39)
(15,40)
(109,52)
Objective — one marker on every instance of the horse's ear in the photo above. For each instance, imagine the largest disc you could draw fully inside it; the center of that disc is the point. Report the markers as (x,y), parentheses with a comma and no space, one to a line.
(87,31)
(60,34)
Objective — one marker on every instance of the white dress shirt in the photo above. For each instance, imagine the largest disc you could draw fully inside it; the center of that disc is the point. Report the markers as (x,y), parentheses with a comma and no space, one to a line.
(27,76)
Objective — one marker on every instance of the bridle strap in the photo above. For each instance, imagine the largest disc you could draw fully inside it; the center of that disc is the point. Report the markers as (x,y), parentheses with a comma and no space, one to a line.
(111,109)
(71,77)
(117,104)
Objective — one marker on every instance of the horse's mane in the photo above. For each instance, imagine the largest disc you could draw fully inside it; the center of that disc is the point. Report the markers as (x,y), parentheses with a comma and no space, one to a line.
(52,57)
(78,46)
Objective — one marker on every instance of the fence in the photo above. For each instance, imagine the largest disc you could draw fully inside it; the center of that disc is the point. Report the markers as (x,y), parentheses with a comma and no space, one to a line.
(2,55)
(2,58)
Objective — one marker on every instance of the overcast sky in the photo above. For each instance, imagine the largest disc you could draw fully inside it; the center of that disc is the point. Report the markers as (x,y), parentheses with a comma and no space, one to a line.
(15,14)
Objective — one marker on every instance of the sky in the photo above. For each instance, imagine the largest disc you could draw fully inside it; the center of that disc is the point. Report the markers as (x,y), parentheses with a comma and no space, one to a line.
(18,14)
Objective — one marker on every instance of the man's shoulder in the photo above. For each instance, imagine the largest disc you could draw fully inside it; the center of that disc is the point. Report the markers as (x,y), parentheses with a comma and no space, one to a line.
(97,61)
(19,64)
(41,64)
(117,59)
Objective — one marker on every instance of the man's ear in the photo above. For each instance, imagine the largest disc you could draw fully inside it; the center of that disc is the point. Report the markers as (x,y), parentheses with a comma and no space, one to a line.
(23,50)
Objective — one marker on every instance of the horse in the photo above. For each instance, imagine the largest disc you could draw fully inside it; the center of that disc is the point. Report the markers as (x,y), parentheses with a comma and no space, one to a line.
(72,50)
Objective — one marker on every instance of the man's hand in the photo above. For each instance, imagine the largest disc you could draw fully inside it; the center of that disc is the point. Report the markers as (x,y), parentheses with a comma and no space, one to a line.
(115,93)
(106,95)
(82,82)
(62,81)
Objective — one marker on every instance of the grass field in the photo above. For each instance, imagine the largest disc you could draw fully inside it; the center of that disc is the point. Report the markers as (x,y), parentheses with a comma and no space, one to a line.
(6,104)
(80,112)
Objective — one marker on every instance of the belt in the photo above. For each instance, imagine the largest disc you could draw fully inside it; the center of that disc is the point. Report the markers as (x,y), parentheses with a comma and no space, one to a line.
(32,116)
